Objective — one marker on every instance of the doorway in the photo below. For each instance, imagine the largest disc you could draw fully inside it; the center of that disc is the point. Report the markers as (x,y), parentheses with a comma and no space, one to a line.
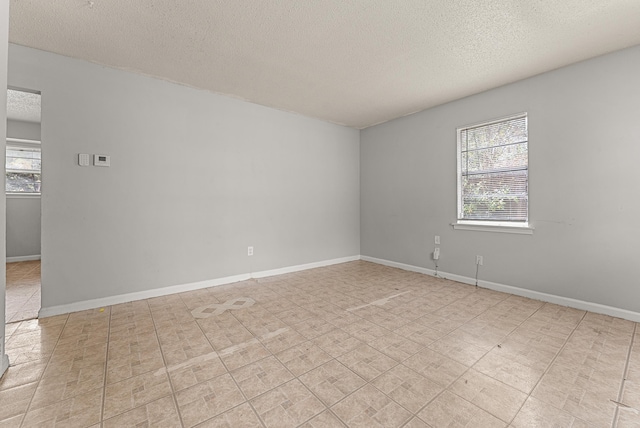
(23,193)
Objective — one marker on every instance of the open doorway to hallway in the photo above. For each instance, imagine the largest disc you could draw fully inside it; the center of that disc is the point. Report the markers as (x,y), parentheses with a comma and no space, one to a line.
(23,291)
(23,192)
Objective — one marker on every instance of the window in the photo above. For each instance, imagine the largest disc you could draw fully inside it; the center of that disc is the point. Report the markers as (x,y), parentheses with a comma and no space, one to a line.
(493,170)
(23,167)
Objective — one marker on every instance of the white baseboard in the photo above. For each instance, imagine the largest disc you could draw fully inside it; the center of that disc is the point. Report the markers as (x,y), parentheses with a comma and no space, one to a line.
(523,292)
(307,266)
(398,265)
(23,258)
(545,297)
(164,291)
(140,295)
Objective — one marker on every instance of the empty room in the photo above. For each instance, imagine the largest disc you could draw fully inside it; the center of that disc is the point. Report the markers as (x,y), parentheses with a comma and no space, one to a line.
(322,214)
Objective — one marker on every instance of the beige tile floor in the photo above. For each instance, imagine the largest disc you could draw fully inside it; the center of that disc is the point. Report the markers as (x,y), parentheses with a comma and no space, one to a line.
(23,291)
(356,344)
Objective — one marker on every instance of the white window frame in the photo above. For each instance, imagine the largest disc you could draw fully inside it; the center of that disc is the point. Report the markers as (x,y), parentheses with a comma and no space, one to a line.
(27,144)
(517,227)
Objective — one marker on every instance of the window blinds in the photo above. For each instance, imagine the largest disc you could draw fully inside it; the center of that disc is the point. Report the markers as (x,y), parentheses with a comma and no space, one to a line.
(22,167)
(493,171)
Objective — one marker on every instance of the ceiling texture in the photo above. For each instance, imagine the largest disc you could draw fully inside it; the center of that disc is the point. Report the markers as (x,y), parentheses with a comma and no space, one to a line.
(351,62)
(23,106)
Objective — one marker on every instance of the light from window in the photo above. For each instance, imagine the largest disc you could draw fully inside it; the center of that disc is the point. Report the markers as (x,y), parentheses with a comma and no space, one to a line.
(493,171)
(23,169)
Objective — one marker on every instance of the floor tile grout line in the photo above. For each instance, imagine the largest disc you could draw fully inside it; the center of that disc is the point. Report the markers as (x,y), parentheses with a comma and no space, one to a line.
(616,414)
(126,379)
(467,370)
(413,414)
(173,392)
(43,372)
(559,351)
(553,361)
(166,366)
(470,367)
(26,271)
(555,357)
(327,407)
(106,368)
(366,383)
(277,359)
(246,400)
(295,377)
(425,346)
(370,382)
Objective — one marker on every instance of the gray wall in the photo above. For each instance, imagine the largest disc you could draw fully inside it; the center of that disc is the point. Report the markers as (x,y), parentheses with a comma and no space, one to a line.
(195,178)
(23,226)
(23,130)
(23,214)
(583,161)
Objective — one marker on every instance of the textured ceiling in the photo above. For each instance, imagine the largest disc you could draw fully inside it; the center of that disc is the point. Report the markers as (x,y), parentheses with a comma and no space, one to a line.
(24,106)
(353,62)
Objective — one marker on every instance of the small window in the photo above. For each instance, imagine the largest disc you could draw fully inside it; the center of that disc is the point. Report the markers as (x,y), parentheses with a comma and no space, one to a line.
(23,168)
(493,171)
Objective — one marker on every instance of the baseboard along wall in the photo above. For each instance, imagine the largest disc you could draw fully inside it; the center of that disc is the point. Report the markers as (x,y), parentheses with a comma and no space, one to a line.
(22,258)
(545,297)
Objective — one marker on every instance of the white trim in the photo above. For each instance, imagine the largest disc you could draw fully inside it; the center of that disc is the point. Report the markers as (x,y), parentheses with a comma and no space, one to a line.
(522,115)
(480,226)
(139,295)
(23,258)
(23,195)
(23,142)
(298,268)
(545,297)
(398,265)
(164,291)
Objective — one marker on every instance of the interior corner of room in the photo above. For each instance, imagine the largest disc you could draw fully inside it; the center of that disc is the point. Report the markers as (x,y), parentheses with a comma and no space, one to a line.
(320,213)
(196,178)
(308,192)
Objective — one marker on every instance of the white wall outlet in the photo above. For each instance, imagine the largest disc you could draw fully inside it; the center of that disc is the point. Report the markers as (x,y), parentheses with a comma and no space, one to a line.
(479,260)
(437,239)
(249,251)
(436,253)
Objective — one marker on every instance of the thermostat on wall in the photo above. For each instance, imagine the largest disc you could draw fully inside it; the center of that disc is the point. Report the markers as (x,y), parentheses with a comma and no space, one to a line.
(101,160)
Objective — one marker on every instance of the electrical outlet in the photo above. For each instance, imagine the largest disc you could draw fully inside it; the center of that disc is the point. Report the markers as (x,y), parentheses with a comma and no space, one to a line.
(437,239)
(436,253)
(479,260)
(250,251)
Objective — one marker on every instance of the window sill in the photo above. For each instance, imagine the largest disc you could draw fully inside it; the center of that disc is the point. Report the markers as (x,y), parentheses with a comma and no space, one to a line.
(485,226)
(23,195)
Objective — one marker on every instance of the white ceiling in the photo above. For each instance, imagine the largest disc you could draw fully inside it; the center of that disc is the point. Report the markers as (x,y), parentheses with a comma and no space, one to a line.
(24,106)
(353,62)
